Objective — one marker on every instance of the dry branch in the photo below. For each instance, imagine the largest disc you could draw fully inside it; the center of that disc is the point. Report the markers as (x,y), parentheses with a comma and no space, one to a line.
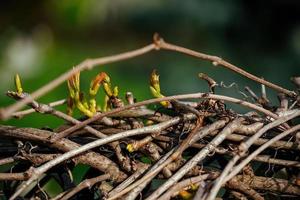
(182,146)
(158,43)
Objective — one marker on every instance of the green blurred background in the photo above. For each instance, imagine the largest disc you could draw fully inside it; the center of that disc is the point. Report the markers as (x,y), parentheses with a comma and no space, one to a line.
(42,39)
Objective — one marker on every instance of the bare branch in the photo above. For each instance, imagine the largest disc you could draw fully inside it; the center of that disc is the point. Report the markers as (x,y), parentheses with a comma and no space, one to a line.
(197,158)
(156,100)
(88,64)
(219,61)
(243,163)
(87,183)
(159,43)
(244,146)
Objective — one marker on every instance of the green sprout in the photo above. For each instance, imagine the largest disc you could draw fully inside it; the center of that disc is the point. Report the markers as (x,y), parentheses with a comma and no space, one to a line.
(155,88)
(77,96)
(18,84)
(100,79)
(89,107)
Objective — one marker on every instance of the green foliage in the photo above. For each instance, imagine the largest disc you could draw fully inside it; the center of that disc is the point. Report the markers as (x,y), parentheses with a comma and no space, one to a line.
(146,159)
(52,188)
(78,172)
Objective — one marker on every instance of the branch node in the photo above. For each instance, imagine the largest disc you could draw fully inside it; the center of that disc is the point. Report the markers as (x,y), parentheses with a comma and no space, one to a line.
(158,41)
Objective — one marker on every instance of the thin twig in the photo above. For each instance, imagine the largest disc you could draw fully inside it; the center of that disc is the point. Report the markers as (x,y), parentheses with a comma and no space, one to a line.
(243,163)
(91,158)
(45,167)
(156,100)
(244,146)
(134,193)
(88,64)
(14,176)
(8,160)
(87,183)
(129,180)
(159,43)
(203,132)
(174,190)
(197,158)
(271,184)
(259,158)
(244,189)
(31,110)
(219,61)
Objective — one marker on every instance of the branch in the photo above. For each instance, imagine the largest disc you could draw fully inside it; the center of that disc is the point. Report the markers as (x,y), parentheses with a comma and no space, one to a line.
(159,43)
(91,158)
(87,183)
(244,189)
(71,153)
(243,163)
(231,127)
(202,133)
(5,113)
(269,184)
(243,148)
(31,110)
(175,189)
(156,100)
(219,61)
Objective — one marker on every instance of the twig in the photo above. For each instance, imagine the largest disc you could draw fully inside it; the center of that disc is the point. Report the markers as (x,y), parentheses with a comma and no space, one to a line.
(8,160)
(238,195)
(31,110)
(38,158)
(243,163)
(284,104)
(244,188)
(42,169)
(269,184)
(87,183)
(278,144)
(259,158)
(253,95)
(159,43)
(296,81)
(264,92)
(188,141)
(129,180)
(211,82)
(91,158)
(88,64)
(219,61)
(174,190)
(276,161)
(14,176)
(197,158)
(156,100)
(133,194)
(249,129)
(244,146)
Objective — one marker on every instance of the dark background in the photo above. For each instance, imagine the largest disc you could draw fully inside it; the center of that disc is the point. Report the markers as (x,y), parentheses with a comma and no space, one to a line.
(41,39)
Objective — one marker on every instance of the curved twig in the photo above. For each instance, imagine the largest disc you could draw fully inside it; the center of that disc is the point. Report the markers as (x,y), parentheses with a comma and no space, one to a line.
(156,100)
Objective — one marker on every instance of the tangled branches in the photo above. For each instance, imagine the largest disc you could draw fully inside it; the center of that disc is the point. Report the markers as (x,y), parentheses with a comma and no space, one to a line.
(195,147)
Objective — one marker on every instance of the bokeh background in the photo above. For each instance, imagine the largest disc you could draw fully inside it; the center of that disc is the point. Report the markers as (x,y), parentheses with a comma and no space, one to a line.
(41,39)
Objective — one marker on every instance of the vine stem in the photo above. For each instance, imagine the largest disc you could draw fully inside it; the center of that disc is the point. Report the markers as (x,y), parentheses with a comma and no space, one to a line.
(158,43)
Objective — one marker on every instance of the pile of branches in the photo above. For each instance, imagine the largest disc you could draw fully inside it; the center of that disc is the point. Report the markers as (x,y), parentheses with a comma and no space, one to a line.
(190,146)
